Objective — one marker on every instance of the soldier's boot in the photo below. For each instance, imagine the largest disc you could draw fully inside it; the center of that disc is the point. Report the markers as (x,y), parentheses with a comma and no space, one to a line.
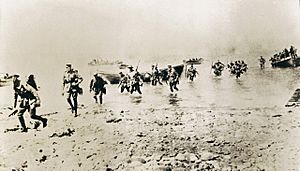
(22,122)
(43,120)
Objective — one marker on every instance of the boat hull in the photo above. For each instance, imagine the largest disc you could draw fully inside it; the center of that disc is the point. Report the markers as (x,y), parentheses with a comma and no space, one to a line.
(289,62)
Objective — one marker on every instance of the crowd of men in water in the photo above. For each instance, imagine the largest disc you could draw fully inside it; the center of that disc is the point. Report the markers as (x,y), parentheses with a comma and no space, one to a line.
(236,68)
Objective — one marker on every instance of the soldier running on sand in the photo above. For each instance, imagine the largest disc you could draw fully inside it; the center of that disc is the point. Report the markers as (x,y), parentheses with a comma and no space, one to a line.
(71,89)
(29,101)
(98,86)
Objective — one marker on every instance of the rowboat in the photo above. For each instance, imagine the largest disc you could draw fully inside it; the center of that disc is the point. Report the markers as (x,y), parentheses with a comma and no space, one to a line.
(194,61)
(286,62)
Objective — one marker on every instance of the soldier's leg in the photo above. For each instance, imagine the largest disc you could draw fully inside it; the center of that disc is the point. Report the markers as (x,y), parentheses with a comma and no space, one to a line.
(138,88)
(132,88)
(15,100)
(95,96)
(171,86)
(21,119)
(127,88)
(69,101)
(36,117)
(74,96)
(122,88)
(100,97)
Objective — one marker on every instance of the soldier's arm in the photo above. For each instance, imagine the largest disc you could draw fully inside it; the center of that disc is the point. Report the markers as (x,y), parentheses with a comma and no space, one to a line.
(91,84)
(80,79)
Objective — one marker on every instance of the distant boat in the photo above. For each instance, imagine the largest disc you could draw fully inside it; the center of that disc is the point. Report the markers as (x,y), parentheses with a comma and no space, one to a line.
(145,76)
(97,62)
(194,61)
(286,62)
(5,79)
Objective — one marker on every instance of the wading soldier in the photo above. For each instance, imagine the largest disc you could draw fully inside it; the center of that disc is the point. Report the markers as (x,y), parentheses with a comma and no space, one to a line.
(172,78)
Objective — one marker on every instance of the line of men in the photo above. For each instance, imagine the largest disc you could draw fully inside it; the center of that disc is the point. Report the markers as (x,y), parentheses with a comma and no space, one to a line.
(133,81)
(26,96)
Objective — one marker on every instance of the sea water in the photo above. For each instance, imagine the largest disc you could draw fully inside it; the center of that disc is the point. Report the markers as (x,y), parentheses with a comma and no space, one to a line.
(257,88)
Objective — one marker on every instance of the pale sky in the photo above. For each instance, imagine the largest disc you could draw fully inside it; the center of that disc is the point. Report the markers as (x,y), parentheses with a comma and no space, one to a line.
(49,32)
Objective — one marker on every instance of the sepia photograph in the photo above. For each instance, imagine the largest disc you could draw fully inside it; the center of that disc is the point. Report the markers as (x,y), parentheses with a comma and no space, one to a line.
(149,85)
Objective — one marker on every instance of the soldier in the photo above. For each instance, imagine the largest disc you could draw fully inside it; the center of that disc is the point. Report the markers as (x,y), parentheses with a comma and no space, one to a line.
(124,82)
(136,83)
(16,83)
(262,62)
(191,74)
(155,76)
(29,101)
(31,82)
(172,78)
(71,89)
(218,68)
(98,86)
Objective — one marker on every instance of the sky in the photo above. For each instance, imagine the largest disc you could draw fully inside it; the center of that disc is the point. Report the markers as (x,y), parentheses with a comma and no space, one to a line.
(45,34)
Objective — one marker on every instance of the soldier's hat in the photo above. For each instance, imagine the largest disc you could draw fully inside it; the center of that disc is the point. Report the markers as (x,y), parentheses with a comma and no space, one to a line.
(131,68)
(68,65)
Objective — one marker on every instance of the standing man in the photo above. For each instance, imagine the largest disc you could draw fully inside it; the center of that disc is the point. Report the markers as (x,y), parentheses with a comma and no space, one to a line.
(97,85)
(124,82)
(172,78)
(29,101)
(192,72)
(262,62)
(71,89)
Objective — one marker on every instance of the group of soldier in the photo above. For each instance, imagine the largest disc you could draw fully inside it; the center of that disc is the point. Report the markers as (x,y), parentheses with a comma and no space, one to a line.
(133,81)
(236,68)
(26,98)
(285,53)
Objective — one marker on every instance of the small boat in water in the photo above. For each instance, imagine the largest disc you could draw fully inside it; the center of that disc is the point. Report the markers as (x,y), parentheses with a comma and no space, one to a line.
(5,79)
(97,62)
(286,62)
(194,61)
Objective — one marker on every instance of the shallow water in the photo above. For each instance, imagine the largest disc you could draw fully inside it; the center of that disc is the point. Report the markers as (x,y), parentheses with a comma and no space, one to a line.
(257,88)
